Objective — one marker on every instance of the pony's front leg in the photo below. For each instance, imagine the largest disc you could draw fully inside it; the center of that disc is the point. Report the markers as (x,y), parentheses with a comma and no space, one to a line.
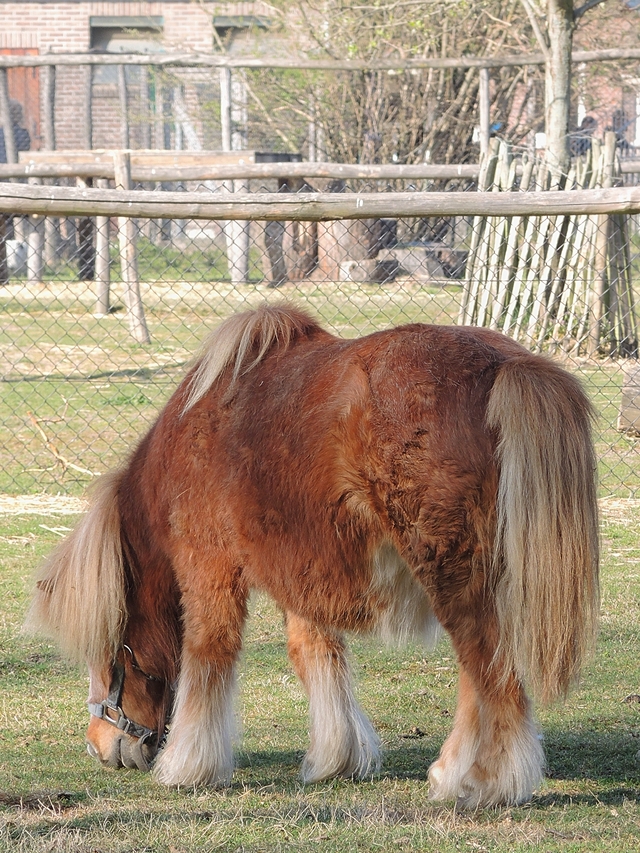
(343,741)
(493,756)
(199,747)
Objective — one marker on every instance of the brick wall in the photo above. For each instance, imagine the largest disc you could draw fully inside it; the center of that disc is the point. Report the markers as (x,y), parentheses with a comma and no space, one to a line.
(64,27)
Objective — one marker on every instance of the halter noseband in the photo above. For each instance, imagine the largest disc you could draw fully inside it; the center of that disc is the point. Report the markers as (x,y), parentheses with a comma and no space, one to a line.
(109,709)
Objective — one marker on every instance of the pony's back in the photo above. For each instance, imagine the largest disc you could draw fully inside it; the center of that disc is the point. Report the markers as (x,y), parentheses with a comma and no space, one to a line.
(242,341)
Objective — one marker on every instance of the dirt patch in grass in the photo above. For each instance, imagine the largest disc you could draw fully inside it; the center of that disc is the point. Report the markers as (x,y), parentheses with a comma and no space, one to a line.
(620,510)
(41,505)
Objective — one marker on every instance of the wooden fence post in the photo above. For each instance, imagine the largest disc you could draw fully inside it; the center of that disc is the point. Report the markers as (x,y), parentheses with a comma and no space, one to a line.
(233,129)
(48,77)
(87,119)
(35,249)
(102,269)
(48,106)
(35,244)
(124,106)
(145,111)
(128,259)
(600,282)
(225,108)
(149,228)
(10,150)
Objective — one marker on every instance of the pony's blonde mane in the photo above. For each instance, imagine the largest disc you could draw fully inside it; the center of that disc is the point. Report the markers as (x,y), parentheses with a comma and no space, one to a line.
(80,592)
(236,338)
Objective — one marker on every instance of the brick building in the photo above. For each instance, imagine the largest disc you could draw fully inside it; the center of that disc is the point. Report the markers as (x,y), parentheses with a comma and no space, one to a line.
(77,26)
(609,93)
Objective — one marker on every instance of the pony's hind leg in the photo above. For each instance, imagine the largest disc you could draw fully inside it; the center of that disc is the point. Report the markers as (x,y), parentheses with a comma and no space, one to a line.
(342,740)
(493,756)
(199,747)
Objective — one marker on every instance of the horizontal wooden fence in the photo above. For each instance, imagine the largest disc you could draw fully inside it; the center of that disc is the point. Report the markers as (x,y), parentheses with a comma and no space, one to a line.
(541,263)
(32,200)
(108,288)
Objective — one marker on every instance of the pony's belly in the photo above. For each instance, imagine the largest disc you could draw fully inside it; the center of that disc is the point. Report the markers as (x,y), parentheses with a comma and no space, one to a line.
(402,609)
(381,598)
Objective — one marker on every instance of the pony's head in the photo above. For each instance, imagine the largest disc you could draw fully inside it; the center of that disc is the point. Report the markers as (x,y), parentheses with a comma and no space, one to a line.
(81,601)
(129,707)
(108,594)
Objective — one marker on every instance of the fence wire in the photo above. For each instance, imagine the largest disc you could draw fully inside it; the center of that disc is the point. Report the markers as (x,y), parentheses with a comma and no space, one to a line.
(79,387)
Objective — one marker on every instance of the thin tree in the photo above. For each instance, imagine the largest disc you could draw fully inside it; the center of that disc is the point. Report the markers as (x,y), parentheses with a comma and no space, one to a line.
(556,42)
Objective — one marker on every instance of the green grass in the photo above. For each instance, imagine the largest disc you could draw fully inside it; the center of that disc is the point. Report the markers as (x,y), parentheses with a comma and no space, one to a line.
(169,262)
(53,797)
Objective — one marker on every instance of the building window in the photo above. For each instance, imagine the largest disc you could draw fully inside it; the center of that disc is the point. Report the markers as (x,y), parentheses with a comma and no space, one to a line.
(124,34)
(237,31)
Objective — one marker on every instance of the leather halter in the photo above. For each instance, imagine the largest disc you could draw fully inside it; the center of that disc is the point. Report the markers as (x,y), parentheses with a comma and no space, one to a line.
(109,709)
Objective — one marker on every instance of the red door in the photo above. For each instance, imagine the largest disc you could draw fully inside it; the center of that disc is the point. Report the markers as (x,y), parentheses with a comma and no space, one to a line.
(24,86)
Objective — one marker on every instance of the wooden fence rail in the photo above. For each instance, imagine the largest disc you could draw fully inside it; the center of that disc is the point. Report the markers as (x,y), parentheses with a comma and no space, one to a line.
(219,60)
(528,250)
(25,199)
(255,171)
(240,171)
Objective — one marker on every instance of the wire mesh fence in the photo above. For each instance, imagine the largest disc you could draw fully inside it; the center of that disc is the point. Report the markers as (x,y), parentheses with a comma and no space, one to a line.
(80,384)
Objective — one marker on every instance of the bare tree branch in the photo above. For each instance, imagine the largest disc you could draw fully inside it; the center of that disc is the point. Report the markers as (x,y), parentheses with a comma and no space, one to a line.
(265,112)
(542,38)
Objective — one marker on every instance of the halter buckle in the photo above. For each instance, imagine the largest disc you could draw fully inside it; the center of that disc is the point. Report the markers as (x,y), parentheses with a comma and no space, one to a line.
(112,703)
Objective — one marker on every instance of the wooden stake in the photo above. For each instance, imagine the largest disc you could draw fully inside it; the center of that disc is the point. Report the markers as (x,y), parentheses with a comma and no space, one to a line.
(602,238)
(4,269)
(484,108)
(102,267)
(128,258)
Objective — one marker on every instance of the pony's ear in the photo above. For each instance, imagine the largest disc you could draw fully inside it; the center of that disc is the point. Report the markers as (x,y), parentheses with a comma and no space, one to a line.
(45,585)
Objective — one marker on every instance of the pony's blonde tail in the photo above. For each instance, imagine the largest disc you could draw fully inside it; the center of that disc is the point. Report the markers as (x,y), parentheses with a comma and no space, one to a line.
(80,592)
(546,549)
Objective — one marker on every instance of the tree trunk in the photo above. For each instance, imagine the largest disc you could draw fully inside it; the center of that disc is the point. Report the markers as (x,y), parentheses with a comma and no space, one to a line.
(558,85)
(124,107)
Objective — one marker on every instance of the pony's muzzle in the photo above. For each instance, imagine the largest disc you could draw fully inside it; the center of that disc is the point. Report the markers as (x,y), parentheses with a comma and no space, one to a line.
(126,751)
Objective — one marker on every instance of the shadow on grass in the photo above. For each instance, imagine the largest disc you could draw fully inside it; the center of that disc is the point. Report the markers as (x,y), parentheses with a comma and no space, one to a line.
(580,754)
(586,768)
(610,797)
(588,754)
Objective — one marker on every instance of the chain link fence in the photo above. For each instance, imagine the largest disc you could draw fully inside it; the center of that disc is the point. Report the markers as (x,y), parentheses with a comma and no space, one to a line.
(80,385)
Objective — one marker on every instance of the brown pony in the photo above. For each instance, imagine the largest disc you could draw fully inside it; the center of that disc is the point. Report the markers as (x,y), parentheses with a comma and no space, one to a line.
(418,478)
